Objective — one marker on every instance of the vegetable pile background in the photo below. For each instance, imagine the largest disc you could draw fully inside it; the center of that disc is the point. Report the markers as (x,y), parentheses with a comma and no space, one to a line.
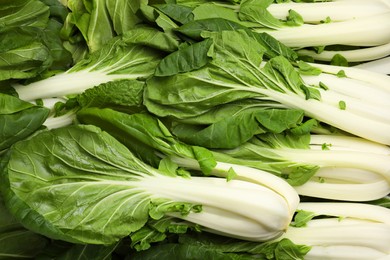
(241,129)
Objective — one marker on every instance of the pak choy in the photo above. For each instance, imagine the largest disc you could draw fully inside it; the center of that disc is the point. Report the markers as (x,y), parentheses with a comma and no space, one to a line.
(325,166)
(234,69)
(321,30)
(122,65)
(118,195)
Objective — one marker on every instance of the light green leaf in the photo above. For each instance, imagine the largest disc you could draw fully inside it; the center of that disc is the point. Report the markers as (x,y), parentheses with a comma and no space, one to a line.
(256,11)
(83,166)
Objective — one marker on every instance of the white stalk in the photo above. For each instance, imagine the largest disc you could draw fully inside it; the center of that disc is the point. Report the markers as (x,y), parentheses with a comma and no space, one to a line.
(378,80)
(377,163)
(219,221)
(358,106)
(337,11)
(364,31)
(350,87)
(249,174)
(356,55)
(53,122)
(363,227)
(245,199)
(349,175)
(342,252)
(345,184)
(369,212)
(67,83)
(370,235)
(365,127)
(348,143)
(379,66)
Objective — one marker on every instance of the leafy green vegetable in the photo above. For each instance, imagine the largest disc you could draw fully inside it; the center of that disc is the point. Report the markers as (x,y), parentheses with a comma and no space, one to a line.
(237,71)
(18,119)
(99,21)
(233,124)
(308,25)
(77,251)
(19,13)
(143,134)
(335,228)
(196,29)
(30,39)
(184,59)
(150,140)
(23,54)
(117,60)
(16,241)
(117,194)
(179,13)
(206,246)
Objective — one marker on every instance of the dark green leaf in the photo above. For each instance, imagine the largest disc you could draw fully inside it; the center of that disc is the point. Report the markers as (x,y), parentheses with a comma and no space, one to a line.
(195,28)
(23,53)
(185,59)
(18,13)
(18,119)
(235,124)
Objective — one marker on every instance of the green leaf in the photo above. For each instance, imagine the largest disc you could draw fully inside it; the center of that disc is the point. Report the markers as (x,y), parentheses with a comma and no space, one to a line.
(341,74)
(78,251)
(272,46)
(151,37)
(120,94)
(18,13)
(194,29)
(83,166)
(18,119)
(302,217)
(185,59)
(307,69)
(208,11)
(262,152)
(144,135)
(16,241)
(177,251)
(256,11)
(179,13)
(231,174)
(342,105)
(118,57)
(294,18)
(23,53)
(233,124)
(21,244)
(208,246)
(339,60)
(123,15)
(141,239)
(233,74)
